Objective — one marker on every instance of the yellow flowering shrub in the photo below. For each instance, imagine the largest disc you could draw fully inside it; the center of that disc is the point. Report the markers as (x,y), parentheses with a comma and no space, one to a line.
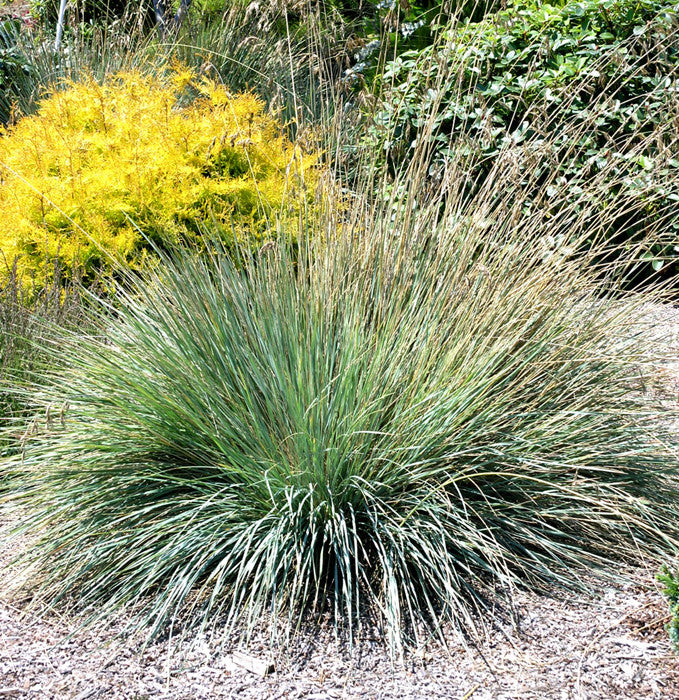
(102,167)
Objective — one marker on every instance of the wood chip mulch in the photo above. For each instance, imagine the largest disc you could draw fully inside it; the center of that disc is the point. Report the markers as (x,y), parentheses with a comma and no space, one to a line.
(612,645)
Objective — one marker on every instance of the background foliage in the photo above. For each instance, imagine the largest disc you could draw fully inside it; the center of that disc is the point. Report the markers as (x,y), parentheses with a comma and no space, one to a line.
(671,581)
(603,73)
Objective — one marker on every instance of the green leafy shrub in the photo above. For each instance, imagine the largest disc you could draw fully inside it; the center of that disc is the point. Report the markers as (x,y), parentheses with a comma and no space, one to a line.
(602,72)
(100,168)
(671,582)
(416,417)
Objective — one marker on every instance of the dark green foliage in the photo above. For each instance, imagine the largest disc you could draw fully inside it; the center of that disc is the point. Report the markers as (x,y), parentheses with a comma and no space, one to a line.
(605,69)
(96,11)
(671,581)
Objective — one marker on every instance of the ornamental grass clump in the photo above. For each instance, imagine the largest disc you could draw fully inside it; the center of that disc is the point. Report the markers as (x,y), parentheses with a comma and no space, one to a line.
(103,168)
(428,405)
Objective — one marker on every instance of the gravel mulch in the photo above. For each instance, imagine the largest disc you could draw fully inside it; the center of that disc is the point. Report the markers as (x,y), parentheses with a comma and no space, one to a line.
(610,643)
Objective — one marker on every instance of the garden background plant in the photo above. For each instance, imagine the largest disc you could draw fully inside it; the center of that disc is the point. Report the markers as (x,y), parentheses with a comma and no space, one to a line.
(527,71)
(144,159)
